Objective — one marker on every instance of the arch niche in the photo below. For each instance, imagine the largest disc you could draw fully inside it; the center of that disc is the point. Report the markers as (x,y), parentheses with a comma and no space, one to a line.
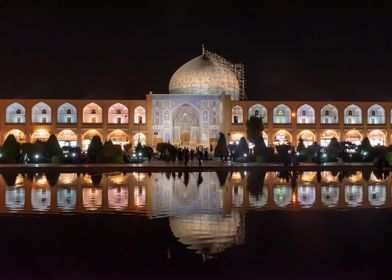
(186,125)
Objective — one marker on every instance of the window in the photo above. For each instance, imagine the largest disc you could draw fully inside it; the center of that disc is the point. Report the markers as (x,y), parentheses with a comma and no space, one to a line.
(94,119)
(327,113)
(69,119)
(326,120)
(118,111)
(18,120)
(235,119)
(303,113)
(43,120)
(140,119)
(373,113)
(257,113)
(18,111)
(280,113)
(303,120)
(69,111)
(43,111)
(350,113)
(118,120)
(93,111)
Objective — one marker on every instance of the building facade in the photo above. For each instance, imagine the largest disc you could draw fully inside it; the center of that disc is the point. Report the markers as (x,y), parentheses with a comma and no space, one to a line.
(206,96)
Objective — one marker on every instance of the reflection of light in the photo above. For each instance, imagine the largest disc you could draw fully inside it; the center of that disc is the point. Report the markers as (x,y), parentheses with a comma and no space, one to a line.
(66,199)
(353,195)
(293,197)
(19,180)
(118,197)
(67,178)
(330,195)
(282,195)
(118,178)
(377,195)
(355,177)
(15,198)
(87,179)
(327,177)
(306,196)
(40,199)
(139,196)
(260,200)
(238,196)
(308,176)
(41,181)
(236,176)
(139,176)
(92,198)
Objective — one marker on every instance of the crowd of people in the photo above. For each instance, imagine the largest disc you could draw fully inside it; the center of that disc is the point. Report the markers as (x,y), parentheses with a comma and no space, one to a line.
(185,154)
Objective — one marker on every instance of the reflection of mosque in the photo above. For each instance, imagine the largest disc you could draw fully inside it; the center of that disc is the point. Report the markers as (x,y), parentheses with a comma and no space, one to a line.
(205,210)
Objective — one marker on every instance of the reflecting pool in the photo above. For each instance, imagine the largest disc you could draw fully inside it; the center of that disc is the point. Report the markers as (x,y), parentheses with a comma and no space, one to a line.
(206,220)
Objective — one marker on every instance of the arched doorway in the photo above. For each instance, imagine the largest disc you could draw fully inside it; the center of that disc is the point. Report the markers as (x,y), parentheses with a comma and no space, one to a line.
(19,135)
(186,125)
(67,138)
(118,137)
(87,136)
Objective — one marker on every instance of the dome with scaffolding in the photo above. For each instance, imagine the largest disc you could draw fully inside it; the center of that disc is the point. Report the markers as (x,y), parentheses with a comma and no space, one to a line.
(208,74)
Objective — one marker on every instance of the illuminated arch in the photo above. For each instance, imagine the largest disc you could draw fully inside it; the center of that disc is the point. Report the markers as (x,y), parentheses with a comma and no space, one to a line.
(118,113)
(307,136)
(67,137)
(237,114)
(329,114)
(87,136)
(67,113)
(282,114)
(139,137)
(41,113)
(40,134)
(92,113)
(352,114)
(282,137)
(305,114)
(326,136)
(118,137)
(19,135)
(376,114)
(376,137)
(353,136)
(139,115)
(260,111)
(15,113)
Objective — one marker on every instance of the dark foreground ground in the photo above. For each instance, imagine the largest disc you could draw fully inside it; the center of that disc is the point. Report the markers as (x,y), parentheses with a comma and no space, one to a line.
(351,244)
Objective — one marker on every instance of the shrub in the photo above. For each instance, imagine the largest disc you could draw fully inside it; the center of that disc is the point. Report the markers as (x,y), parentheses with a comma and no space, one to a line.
(10,151)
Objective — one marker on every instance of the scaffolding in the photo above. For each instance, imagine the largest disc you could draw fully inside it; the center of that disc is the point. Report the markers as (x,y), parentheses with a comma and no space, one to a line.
(237,68)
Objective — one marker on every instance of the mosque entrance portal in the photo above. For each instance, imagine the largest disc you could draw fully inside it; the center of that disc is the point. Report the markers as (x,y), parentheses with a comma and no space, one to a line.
(186,126)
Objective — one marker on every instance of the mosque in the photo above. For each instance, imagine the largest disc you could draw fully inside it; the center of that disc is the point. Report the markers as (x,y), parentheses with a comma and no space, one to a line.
(206,96)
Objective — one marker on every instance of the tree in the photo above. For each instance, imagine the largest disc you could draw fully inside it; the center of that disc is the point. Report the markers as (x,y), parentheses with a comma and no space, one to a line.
(112,153)
(254,128)
(333,150)
(52,149)
(301,146)
(10,151)
(366,150)
(242,147)
(221,149)
(95,150)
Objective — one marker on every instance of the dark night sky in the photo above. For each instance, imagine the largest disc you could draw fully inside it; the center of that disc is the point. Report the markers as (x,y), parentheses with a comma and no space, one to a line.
(114,49)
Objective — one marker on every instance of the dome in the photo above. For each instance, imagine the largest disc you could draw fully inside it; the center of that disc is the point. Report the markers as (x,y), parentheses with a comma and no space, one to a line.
(204,75)
(207,233)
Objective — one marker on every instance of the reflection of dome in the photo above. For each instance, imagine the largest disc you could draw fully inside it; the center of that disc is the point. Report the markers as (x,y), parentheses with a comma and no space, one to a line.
(204,75)
(209,234)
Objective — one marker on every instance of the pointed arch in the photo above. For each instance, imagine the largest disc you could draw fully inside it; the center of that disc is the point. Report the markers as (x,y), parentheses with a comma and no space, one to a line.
(352,114)
(376,114)
(118,113)
(282,114)
(15,113)
(92,113)
(41,113)
(305,114)
(67,113)
(329,114)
